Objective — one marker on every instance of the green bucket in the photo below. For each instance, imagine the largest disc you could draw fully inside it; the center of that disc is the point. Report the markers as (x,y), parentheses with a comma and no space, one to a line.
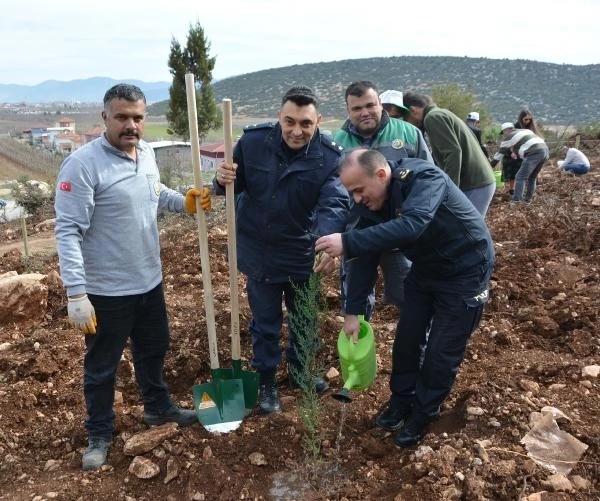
(498,176)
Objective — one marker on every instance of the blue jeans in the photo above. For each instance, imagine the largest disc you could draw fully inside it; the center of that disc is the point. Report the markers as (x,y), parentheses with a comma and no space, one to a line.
(576,168)
(526,178)
(482,197)
(431,337)
(143,318)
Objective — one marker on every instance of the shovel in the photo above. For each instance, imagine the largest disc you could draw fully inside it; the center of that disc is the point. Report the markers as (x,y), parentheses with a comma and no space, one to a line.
(249,378)
(219,404)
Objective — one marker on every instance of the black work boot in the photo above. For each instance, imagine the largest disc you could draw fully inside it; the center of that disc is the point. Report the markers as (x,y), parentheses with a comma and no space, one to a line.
(394,415)
(413,429)
(268,393)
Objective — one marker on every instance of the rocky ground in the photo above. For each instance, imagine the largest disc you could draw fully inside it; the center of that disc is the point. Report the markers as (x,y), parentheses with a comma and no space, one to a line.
(539,333)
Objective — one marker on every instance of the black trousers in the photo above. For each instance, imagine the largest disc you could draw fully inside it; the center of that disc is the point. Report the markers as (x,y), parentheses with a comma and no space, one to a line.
(437,320)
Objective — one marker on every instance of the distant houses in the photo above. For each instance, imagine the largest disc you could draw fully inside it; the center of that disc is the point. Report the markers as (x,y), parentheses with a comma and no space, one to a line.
(61,138)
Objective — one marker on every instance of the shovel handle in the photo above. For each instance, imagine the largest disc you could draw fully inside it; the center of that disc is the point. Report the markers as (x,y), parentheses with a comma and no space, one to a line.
(231,235)
(190,89)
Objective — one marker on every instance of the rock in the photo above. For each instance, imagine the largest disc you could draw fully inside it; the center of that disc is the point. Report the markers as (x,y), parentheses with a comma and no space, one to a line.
(47,224)
(145,441)
(257,459)
(558,482)
(557,414)
(590,371)
(557,386)
(528,385)
(172,470)
(580,483)
(23,298)
(143,468)
(53,279)
(207,452)
(475,411)
(51,465)
(332,373)
(536,496)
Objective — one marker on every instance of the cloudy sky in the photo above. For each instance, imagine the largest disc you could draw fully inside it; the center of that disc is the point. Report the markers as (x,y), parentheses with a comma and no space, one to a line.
(44,40)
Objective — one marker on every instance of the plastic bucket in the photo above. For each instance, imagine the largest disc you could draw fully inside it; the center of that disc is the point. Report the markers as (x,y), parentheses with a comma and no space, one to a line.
(498,176)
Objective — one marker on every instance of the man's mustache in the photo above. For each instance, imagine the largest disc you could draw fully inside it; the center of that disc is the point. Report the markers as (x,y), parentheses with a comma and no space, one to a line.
(129,132)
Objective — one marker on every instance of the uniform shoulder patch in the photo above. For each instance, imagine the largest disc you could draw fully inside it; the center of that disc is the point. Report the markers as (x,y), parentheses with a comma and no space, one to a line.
(402,174)
(331,144)
(263,125)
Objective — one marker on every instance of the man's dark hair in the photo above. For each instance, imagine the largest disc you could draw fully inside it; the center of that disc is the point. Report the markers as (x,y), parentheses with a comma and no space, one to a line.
(124,91)
(301,95)
(358,88)
(418,100)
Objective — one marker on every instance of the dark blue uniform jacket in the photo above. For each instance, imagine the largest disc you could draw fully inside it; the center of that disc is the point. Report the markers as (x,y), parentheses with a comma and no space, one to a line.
(429,219)
(287,200)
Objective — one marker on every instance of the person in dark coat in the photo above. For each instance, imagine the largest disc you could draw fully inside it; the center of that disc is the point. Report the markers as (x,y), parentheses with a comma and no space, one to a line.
(289,192)
(414,206)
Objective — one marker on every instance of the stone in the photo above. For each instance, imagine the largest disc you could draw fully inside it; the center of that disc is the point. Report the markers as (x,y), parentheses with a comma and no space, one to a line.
(558,482)
(257,459)
(143,468)
(172,470)
(23,297)
(143,442)
(332,373)
(590,371)
(580,483)
(528,385)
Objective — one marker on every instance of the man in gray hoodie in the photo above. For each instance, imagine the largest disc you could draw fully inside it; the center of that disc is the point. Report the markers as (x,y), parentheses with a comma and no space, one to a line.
(107,197)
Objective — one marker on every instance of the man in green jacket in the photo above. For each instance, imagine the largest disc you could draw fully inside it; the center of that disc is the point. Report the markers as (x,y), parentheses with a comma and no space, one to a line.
(455,149)
(369,125)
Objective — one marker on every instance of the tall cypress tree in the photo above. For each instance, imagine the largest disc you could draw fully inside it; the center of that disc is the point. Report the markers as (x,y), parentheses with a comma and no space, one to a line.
(192,59)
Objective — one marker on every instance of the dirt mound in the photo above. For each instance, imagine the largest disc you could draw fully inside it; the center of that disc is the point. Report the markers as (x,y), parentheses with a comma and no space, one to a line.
(538,332)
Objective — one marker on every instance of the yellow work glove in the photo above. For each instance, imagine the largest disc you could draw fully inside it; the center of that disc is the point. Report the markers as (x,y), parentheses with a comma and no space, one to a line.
(82,314)
(190,200)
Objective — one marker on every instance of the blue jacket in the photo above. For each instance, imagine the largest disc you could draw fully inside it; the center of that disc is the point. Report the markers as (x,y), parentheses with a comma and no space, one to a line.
(287,199)
(432,222)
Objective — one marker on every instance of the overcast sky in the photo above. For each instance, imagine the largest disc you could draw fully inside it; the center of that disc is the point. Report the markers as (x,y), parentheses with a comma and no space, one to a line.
(44,40)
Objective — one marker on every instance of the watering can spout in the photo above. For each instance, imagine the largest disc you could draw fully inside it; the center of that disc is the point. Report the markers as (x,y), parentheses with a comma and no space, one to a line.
(343,396)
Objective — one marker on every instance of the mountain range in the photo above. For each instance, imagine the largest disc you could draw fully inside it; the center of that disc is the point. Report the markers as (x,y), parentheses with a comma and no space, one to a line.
(555,93)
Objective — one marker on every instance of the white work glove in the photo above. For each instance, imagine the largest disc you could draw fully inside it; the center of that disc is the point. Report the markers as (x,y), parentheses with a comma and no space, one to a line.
(82,315)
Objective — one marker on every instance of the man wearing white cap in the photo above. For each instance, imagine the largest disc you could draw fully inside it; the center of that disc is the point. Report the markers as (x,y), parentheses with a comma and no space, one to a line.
(510,165)
(391,100)
(473,122)
(533,150)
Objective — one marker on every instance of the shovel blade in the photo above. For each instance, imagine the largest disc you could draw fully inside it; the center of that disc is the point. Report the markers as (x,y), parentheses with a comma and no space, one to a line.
(250,381)
(219,404)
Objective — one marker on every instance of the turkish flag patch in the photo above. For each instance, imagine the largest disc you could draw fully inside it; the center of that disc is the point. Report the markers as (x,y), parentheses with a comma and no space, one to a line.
(65,186)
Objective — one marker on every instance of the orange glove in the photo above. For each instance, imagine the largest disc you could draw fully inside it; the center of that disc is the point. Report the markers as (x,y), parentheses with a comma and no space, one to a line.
(190,200)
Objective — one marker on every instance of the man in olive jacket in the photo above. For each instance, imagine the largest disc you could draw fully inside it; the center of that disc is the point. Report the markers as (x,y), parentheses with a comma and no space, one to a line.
(455,149)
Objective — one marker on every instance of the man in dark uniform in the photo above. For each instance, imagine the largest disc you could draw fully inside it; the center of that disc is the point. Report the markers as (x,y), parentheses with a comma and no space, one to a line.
(286,175)
(414,206)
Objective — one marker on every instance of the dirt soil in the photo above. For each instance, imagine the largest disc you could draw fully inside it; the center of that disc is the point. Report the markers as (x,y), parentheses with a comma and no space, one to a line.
(540,328)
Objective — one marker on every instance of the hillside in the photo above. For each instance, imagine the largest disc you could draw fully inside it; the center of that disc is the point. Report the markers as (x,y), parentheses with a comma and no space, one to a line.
(557,94)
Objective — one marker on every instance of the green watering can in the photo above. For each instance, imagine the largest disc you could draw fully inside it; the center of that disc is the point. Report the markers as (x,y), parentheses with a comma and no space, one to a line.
(357,361)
